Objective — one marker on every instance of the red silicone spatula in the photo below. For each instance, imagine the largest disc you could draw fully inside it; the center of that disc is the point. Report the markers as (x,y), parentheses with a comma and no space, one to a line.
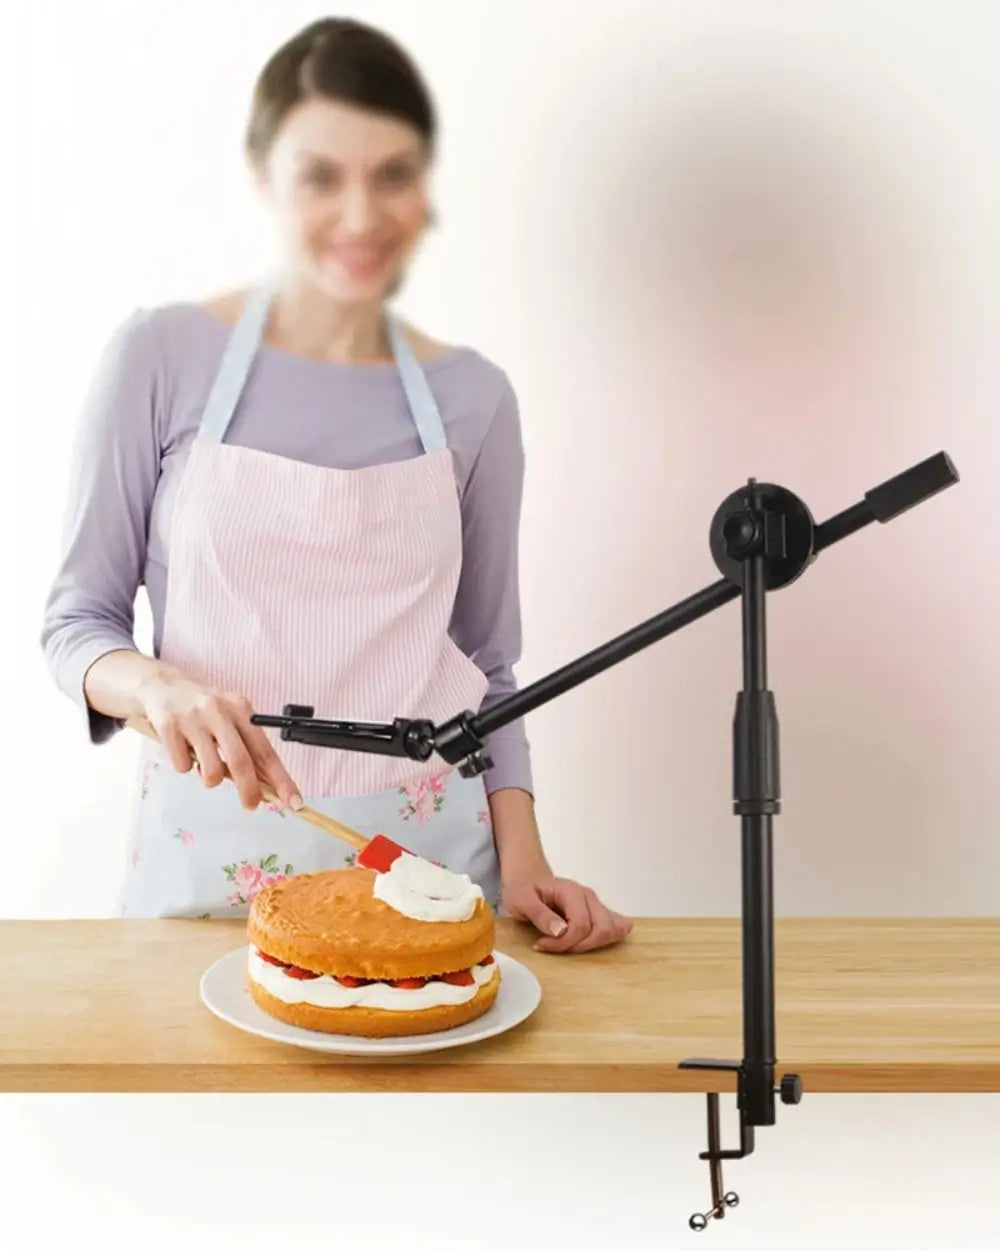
(378,853)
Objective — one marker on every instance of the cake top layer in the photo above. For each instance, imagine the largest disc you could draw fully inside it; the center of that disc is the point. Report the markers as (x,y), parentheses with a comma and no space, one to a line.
(332,922)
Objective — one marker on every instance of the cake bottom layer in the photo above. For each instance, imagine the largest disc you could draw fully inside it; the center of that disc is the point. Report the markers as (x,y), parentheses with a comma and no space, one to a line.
(366,1022)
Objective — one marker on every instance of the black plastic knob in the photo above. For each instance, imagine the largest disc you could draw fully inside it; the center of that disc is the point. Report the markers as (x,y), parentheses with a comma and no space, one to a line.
(790,1088)
(740,532)
(418,739)
(301,712)
(476,764)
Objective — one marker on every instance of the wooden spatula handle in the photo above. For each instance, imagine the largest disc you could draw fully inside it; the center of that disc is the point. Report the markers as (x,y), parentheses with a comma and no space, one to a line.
(318,819)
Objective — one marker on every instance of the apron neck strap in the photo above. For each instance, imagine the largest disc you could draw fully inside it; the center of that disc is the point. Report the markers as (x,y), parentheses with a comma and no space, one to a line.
(237,361)
(423,407)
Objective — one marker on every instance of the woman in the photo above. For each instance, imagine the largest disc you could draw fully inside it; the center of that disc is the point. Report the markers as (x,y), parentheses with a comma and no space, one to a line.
(323,505)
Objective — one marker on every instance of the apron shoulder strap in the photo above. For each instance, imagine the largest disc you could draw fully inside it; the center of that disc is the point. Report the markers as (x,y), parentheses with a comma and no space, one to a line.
(423,406)
(237,361)
(241,349)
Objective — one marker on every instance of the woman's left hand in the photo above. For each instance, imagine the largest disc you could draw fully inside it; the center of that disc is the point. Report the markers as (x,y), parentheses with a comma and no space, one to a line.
(570,917)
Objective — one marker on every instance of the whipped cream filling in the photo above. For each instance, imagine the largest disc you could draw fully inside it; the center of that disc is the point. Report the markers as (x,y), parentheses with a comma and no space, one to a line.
(426,892)
(326,992)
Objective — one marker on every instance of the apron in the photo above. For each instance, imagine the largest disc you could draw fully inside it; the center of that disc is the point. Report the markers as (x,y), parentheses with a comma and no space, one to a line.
(290,583)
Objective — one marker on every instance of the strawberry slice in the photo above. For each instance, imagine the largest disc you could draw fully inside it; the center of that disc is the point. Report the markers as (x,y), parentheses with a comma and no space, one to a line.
(409,983)
(353,982)
(463,977)
(272,960)
(380,853)
(487,961)
(302,975)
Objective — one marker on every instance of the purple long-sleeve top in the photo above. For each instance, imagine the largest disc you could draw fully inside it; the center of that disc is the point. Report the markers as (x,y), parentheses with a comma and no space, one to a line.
(139,420)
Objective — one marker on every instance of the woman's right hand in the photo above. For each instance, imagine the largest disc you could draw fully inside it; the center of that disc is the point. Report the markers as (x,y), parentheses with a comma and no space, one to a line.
(216,727)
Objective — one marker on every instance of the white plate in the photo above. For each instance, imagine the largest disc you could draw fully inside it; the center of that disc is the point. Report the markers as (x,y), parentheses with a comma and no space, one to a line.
(224,992)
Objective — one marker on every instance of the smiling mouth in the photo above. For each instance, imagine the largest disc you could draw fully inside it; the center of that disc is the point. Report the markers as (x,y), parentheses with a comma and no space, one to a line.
(358,260)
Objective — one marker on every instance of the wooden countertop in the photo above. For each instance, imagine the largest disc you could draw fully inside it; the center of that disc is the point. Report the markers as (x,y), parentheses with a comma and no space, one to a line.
(862,1005)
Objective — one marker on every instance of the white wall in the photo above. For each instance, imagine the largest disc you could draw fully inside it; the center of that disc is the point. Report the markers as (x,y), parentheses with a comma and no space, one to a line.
(707,240)
(703,249)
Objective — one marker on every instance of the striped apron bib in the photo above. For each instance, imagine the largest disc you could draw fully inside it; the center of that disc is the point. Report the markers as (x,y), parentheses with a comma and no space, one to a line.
(294,584)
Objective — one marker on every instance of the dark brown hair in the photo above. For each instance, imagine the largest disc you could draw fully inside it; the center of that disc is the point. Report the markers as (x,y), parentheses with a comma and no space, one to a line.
(344,60)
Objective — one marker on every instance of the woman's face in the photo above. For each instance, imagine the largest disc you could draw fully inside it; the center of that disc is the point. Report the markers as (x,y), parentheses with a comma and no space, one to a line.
(349,191)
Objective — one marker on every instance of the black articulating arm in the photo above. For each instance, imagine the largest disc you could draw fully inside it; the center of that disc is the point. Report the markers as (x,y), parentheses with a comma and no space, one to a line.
(762,538)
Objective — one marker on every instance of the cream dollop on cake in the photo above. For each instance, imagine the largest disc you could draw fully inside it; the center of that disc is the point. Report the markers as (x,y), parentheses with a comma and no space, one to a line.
(423,891)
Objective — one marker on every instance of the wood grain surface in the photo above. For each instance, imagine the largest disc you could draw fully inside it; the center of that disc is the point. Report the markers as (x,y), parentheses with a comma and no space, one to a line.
(862,1005)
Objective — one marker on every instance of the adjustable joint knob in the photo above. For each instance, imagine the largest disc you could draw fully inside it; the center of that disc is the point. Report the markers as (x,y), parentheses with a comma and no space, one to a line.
(741,532)
(301,712)
(476,764)
(790,1089)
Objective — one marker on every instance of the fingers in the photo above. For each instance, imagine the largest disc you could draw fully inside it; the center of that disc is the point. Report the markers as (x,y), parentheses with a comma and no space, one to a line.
(624,925)
(524,903)
(242,769)
(266,761)
(215,729)
(202,743)
(605,928)
(601,928)
(609,927)
(175,744)
(570,899)
(188,741)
